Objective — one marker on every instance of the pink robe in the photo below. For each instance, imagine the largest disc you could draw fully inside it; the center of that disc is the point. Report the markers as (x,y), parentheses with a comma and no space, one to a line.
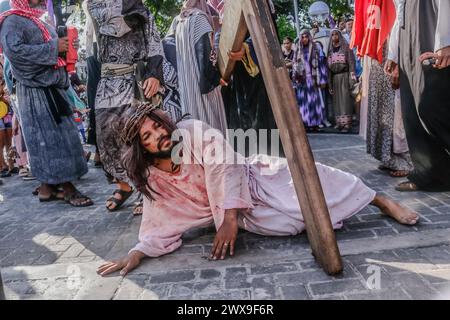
(262,188)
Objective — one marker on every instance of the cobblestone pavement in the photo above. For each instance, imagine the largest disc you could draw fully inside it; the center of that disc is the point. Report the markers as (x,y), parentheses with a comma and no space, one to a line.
(52,250)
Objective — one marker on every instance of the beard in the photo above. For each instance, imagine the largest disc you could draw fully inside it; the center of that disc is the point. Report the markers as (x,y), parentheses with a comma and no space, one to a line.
(163,154)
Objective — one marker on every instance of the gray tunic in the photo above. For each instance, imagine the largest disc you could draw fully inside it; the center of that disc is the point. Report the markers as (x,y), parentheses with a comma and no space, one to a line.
(118,43)
(54,148)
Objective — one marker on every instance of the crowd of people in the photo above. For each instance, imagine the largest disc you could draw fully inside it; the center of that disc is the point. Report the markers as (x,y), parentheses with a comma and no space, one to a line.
(143,91)
(326,80)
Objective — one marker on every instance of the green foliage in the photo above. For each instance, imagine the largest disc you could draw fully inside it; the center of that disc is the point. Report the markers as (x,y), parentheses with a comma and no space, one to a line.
(338,8)
(285,27)
(164,12)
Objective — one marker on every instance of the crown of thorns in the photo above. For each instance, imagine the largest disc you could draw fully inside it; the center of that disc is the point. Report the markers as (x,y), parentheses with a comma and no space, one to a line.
(135,121)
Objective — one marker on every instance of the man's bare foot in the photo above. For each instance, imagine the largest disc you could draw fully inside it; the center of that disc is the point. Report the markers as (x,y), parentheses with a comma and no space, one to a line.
(393,209)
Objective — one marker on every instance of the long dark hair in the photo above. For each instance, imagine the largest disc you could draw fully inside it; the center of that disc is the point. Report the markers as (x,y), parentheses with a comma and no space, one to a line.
(136,160)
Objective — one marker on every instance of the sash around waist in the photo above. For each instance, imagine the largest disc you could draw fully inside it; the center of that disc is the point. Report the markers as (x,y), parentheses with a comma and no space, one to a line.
(111,69)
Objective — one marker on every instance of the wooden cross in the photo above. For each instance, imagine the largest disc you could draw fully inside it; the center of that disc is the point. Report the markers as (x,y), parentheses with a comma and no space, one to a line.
(254,16)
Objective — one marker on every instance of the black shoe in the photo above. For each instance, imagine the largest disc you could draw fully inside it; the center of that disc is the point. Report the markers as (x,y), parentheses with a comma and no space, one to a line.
(15,170)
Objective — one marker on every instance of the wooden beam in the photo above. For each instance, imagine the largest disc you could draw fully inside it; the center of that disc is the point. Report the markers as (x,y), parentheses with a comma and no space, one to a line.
(293,135)
(231,37)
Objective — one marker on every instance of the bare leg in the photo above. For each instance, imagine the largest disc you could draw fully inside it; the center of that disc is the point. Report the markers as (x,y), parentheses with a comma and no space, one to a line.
(393,209)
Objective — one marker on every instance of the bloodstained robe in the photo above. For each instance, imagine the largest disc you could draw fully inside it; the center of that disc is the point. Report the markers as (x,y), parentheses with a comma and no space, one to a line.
(261,187)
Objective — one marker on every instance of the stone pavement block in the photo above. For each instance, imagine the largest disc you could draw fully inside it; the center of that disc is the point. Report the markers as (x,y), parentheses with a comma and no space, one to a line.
(431,202)
(53,240)
(190,249)
(436,276)
(353,219)
(409,280)
(297,292)
(225,295)
(75,260)
(204,287)
(404,229)
(301,277)
(422,209)
(422,293)
(300,241)
(68,241)
(394,294)
(337,287)
(343,236)
(436,255)
(86,253)
(73,251)
(309,265)
(18,288)
(236,278)
(372,217)
(366,225)
(181,290)
(155,292)
(130,289)
(434,226)
(381,232)
(369,274)
(439,218)
(60,289)
(274,268)
(443,209)
(210,274)
(47,258)
(18,260)
(443,289)
(173,276)
(410,255)
(57,247)
(95,287)
(277,243)
(263,288)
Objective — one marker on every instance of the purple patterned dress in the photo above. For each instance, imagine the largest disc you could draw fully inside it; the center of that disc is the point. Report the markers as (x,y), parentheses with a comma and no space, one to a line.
(310,72)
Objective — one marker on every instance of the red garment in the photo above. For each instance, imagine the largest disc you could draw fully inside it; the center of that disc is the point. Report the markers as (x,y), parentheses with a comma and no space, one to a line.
(359,24)
(22,8)
(375,21)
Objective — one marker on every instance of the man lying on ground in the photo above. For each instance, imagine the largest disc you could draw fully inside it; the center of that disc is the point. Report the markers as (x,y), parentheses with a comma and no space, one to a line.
(213,184)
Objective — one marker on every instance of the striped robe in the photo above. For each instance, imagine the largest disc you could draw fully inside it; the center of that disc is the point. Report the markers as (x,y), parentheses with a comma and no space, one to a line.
(208,108)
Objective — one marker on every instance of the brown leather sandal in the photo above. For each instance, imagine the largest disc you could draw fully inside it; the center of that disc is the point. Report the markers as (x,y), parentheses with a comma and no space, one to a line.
(407,187)
(119,202)
(399,173)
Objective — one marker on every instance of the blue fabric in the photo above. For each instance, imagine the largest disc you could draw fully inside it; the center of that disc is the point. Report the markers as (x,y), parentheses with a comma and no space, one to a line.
(76,101)
(358,64)
(7,75)
(54,149)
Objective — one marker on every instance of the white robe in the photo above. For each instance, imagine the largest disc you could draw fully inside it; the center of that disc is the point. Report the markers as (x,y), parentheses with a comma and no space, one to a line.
(261,187)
